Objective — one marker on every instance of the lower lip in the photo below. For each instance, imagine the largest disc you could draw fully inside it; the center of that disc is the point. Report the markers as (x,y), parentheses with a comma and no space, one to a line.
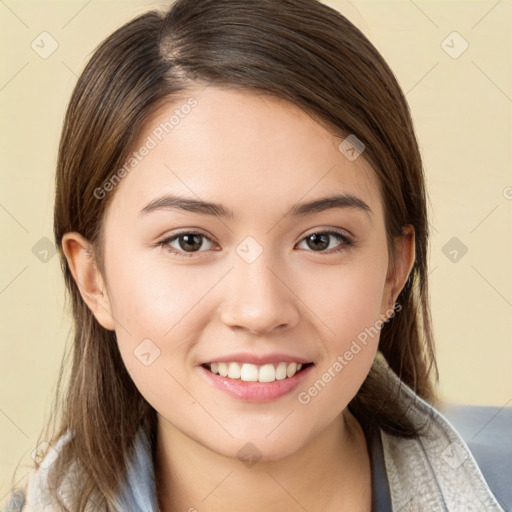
(256,391)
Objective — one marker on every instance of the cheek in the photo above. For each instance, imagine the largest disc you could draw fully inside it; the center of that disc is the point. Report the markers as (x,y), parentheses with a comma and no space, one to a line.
(349,304)
(153,299)
(347,298)
(159,310)
(352,313)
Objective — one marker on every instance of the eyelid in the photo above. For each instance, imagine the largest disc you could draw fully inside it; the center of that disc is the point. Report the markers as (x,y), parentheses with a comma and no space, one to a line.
(327,229)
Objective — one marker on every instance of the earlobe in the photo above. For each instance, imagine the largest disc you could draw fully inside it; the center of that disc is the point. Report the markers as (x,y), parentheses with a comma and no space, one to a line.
(88,278)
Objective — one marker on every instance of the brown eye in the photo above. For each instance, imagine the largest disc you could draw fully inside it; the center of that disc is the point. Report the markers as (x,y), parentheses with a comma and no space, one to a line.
(188,243)
(320,241)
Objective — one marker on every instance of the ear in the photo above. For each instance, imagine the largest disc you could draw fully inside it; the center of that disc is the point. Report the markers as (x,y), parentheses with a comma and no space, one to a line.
(400,269)
(88,278)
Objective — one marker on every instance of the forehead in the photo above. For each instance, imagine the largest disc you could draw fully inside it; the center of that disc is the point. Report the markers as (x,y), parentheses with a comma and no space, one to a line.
(254,153)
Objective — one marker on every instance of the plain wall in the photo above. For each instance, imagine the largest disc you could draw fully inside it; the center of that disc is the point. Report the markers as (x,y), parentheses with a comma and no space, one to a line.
(462,113)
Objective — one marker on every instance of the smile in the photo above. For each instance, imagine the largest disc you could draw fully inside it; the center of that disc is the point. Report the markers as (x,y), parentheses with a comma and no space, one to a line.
(255,373)
(255,383)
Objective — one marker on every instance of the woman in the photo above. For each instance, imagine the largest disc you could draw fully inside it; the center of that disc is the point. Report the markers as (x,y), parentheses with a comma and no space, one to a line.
(241,218)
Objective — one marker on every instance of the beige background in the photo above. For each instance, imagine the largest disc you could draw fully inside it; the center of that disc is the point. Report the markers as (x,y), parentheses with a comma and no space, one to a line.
(462,112)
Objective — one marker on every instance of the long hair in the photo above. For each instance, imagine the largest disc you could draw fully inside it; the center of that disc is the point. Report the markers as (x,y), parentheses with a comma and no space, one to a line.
(298,50)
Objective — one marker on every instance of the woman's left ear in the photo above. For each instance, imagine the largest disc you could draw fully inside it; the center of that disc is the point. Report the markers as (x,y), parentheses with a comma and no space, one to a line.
(401,268)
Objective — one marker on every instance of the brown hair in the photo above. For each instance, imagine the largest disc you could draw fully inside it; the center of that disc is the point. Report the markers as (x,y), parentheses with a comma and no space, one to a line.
(298,50)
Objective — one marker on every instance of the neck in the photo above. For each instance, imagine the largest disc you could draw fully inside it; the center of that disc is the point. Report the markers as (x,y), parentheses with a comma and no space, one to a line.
(331,472)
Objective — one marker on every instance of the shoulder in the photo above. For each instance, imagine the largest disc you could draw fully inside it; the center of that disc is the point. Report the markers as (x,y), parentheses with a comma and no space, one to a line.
(437,467)
(32,493)
(487,431)
(138,492)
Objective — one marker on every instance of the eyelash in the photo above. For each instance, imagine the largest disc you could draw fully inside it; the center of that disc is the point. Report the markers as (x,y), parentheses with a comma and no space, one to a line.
(347,242)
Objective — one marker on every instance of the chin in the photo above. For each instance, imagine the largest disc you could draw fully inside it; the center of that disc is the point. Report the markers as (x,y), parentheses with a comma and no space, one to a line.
(250,447)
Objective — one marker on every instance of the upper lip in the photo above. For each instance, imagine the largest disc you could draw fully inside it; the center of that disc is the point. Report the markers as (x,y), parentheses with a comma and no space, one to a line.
(258,359)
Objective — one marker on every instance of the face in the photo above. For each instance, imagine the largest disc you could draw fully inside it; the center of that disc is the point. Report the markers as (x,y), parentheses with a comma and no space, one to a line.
(260,280)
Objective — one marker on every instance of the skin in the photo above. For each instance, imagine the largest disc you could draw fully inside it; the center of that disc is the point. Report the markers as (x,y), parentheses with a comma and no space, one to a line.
(256,155)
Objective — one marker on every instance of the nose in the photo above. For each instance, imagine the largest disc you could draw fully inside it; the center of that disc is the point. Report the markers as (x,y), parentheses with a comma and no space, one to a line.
(258,298)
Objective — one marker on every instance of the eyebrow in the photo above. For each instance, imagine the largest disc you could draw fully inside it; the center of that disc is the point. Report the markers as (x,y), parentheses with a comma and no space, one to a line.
(173,202)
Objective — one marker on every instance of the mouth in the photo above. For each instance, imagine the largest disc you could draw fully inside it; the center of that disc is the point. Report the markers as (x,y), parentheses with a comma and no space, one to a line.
(248,372)
(256,383)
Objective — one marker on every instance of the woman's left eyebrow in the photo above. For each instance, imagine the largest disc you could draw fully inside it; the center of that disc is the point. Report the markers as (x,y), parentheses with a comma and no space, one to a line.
(174,202)
(328,203)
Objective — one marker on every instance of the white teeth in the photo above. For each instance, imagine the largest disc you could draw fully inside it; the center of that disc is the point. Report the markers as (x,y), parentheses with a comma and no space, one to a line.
(234,371)
(249,372)
(252,373)
(280,371)
(223,369)
(291,369)
(267,373)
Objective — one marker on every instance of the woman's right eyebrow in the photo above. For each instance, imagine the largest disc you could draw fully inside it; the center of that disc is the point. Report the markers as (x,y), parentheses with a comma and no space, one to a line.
(175,202)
